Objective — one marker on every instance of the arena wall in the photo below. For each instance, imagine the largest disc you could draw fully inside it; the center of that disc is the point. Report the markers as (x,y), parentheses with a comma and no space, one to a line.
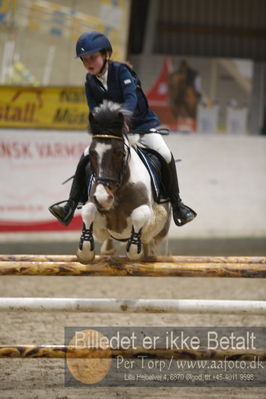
(221,177)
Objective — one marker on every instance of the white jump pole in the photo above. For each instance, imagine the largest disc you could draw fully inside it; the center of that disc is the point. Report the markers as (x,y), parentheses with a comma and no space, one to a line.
(115,305)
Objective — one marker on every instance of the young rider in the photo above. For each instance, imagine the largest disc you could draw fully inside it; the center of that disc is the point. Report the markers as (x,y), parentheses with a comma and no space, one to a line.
(113,81)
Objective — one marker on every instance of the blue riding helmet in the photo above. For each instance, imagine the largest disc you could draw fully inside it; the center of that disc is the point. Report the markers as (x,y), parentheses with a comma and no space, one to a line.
(91,42)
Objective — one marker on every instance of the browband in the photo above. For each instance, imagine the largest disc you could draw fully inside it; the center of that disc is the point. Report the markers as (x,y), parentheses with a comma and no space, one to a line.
(106,136)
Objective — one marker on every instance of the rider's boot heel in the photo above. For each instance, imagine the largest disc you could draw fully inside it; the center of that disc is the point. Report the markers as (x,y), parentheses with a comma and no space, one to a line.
(64,213)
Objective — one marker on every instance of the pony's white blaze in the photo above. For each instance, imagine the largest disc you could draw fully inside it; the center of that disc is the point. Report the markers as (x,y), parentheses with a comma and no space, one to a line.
(103,197)
(101,148)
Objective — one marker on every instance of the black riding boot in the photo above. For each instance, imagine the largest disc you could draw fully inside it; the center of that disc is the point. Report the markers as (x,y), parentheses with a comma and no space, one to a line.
(182,214)
(65,213)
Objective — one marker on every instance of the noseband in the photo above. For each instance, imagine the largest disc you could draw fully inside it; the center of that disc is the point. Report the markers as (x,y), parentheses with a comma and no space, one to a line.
(105,181)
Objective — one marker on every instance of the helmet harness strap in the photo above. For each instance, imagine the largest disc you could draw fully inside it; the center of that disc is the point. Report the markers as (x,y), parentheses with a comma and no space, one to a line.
(106,59)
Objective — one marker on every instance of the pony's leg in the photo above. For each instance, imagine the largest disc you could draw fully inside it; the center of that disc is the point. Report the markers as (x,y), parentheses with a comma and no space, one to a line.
(108,247)
(140,217)
(85,252)
(151,248)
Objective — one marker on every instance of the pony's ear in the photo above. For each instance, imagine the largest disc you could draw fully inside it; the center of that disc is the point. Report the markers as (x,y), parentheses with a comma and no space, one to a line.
(91,118)
(91,123)
(121,118)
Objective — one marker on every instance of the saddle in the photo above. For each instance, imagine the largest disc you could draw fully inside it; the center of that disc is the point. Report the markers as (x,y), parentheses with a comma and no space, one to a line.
(154,162)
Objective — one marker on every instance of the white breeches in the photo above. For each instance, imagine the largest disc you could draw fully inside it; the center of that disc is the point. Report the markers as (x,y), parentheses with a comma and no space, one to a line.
(157,143)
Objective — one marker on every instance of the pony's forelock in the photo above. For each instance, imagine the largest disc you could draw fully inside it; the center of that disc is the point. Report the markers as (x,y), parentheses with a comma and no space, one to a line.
(107,105)
(109,115)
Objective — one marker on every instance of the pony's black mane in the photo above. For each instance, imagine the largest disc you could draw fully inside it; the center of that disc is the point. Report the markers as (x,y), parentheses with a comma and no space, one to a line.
(109,118)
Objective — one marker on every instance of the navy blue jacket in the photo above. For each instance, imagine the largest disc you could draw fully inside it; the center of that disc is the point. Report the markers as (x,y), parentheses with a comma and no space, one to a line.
(125,89)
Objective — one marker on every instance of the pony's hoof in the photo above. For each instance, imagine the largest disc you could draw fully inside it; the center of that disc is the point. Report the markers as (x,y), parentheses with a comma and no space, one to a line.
(85,255)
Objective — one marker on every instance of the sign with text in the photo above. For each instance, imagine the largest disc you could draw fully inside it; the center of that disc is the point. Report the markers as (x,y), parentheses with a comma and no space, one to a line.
(32,169)
(43,107)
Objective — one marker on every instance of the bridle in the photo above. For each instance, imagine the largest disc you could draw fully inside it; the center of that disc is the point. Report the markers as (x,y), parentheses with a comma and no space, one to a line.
(105,181)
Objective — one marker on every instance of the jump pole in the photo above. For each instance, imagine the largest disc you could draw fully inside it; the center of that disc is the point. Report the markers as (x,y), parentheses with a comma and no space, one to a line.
(114,305)
(252,267)
(64,351)
(167,259)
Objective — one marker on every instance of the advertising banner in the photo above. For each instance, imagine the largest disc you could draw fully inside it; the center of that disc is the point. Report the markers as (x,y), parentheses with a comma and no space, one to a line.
(43,107)
(32,169)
